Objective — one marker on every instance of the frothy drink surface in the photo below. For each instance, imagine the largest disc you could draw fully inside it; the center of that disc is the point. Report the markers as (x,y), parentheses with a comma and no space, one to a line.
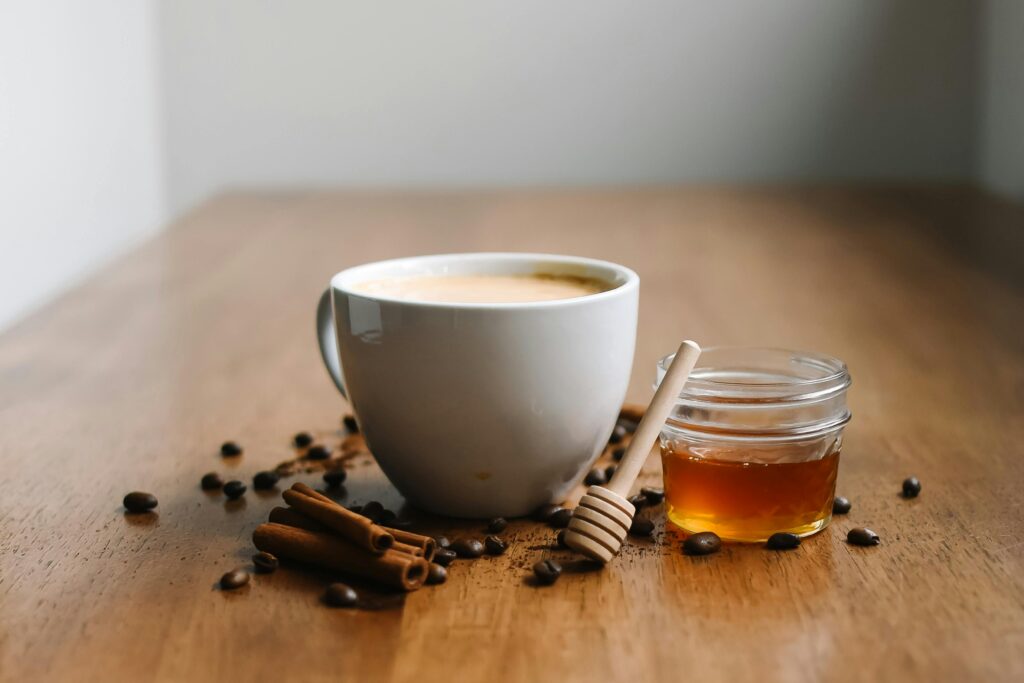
(482,288)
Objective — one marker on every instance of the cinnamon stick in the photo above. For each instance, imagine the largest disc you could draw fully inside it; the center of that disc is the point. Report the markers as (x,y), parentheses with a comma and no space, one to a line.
(405,541)
(391,568)
(355,528)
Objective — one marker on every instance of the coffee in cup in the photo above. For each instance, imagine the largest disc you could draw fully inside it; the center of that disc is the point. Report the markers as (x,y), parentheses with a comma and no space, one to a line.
(485,384)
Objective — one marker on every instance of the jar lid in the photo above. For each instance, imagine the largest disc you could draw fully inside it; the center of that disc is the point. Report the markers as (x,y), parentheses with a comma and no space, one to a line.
(746,392)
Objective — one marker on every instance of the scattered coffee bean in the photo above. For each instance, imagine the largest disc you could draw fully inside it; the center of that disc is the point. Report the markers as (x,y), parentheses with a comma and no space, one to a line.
(401,523)
(595,477)
(318,452)
(628,425)
(436,574)
(618,434)
(543,513)
(560,539)
(350,424)
(303,439)
(211,482)
(862,536)
(641,527)
(236,578)
(265,480)
(497,525)
(386,517)
(840,505)
(138,501)
(653,495)
(340,595)
(704,543)
(638,501)
(782,541)
(547,572)
(372,510)
(618,453)
(911,487)
(444,556)
(469,548)
(234,489)
(442,541)
(230,448)
(265,563)
(495,546)
(358,509)
(560,518)
(609,472)
(335,478)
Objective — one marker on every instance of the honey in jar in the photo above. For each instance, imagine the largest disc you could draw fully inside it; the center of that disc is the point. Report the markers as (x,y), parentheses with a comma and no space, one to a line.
(752,446)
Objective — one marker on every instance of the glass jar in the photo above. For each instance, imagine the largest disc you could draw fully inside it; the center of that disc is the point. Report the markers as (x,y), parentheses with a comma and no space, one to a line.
(752,445)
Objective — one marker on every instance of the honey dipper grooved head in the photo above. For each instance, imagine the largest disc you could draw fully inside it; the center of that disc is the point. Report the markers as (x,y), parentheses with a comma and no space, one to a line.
(599,524)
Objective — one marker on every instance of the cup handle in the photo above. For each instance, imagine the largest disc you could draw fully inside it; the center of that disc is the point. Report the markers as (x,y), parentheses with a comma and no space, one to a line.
(328,340)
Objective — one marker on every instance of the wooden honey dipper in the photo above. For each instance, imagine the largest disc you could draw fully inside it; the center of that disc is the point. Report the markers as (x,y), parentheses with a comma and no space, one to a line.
(603,517)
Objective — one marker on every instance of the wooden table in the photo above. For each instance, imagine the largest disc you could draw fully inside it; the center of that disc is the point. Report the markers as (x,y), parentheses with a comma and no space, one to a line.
(134,378)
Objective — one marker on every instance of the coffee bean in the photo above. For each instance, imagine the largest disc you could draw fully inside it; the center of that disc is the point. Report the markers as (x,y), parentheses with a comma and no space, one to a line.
(442,541)
(230,448)
(560,539)
(782,541)
(350,424)
(138,501)
(386,517)
(641,527)
(436,574)
(704,543)
(495,546)
(609,472)
(618,434)
(497,525)
(862,536)
(234,489)
(628,425)
(318,452)
(265,563)
(340,595)
(638,501)
(544,512)
(303,439)
(911,487)
(236,578)
(401,523)
(335,478)
(266,479)
(444,556)
(653,495)
(595,477)
(560,518)
(547,572)
(840,505)
(468,548)
(618,453)
(211,482)
(372,510)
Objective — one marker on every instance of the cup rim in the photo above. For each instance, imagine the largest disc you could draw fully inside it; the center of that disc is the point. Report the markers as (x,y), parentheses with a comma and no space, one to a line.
(343,281)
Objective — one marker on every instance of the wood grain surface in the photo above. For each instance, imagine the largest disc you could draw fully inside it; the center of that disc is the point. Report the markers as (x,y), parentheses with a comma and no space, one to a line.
(133,379)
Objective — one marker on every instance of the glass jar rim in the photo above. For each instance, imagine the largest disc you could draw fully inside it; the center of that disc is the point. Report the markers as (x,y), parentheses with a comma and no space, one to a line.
(750,374)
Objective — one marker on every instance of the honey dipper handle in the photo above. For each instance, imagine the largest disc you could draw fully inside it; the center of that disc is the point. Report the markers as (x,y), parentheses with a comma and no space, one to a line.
(650,426)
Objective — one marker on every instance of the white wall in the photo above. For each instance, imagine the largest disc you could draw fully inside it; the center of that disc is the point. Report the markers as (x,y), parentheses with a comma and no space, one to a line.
(486,92)
(80,171)
(1001,123)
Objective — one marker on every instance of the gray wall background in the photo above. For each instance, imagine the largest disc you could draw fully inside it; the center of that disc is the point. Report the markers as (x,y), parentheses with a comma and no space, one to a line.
(117,115)
(534,92)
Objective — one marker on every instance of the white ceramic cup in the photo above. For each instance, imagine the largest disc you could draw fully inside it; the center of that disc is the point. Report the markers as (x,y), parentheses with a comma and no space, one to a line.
(482,409)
